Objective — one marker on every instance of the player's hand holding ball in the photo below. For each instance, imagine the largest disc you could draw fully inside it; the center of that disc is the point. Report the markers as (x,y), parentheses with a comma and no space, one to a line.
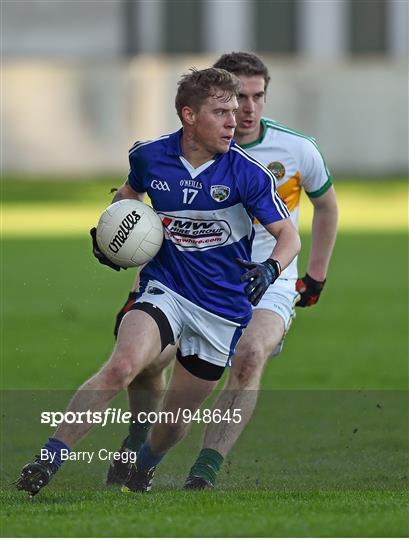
(98,253)
(260,276)
(309,290)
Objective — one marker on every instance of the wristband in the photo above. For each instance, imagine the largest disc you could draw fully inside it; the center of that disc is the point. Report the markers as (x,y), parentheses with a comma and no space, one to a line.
(276,265)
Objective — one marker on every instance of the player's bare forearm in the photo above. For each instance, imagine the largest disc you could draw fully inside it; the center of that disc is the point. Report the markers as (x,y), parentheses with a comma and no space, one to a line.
(324,231)
(126,192)
(288,241)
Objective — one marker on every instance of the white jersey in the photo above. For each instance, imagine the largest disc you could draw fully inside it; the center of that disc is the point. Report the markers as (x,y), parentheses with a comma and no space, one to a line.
(296,162)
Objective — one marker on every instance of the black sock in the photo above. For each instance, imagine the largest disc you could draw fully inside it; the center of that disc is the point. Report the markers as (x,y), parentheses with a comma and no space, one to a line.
(138,433)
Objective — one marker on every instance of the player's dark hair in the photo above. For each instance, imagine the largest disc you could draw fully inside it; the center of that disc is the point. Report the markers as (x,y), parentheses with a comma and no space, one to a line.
(242,63)
(195,87)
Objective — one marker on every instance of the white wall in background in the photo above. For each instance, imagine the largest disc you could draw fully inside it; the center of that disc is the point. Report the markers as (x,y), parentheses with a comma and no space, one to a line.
(82,116)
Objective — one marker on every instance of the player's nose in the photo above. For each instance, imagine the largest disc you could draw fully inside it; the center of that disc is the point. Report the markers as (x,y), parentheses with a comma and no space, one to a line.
(249,106)
(231,120)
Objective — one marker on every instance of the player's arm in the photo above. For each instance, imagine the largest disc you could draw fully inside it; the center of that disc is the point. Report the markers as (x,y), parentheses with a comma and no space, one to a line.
(127,192)
(324,231)
(261,275)
(124,192)
(288,242)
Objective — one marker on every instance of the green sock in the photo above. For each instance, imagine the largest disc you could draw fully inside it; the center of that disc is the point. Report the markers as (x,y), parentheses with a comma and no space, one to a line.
(207,464)
(138,433)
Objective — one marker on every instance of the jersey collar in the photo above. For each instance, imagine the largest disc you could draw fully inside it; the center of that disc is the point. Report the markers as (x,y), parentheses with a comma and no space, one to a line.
(260,139)
(174,146)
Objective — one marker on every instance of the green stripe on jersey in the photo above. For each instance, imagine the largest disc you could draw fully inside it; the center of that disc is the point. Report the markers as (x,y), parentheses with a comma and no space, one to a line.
(321,191)
(259,140)
(280,127)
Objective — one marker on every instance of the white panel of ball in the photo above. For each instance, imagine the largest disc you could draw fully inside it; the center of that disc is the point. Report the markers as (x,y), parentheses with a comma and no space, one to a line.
(129,233)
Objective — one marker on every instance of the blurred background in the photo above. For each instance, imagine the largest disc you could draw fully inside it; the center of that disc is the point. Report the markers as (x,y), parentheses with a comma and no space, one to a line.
(82,80)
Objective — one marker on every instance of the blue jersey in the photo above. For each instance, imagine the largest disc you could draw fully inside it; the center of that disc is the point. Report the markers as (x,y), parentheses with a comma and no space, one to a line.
(207,215)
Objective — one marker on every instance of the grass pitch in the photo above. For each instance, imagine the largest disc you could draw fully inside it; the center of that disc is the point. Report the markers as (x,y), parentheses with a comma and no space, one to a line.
(324,455)
(217,514)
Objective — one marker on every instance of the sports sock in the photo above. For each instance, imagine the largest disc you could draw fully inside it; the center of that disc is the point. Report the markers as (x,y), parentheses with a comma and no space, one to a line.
(53,449)
(138,433)
(146,459)
(207,464)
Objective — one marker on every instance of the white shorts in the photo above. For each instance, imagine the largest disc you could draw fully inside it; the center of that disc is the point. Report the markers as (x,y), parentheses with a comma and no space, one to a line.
(210,337)
(280,298)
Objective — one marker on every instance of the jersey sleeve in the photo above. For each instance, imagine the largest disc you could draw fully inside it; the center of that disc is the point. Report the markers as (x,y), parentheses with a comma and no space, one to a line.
(135,177)
(262,200)
(315,176)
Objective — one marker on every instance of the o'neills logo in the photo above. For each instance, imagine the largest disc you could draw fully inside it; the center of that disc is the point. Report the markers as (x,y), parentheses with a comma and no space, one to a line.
(126,226)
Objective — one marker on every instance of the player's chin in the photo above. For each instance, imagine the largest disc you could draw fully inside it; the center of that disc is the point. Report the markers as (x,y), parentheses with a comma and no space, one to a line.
(224,144)
(245,129)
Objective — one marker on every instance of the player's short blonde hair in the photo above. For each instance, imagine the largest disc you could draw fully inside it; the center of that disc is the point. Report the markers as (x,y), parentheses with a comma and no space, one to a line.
(195,87)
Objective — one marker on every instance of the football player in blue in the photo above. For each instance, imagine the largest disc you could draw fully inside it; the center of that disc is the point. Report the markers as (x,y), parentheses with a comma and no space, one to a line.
(298,165)
(207,191)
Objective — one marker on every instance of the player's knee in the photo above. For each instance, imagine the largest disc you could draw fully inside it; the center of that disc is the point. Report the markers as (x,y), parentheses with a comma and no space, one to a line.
(249,374)
(119,372)
(248,366)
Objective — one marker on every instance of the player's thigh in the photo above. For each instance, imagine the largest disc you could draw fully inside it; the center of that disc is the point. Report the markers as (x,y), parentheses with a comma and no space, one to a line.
(152,323)
(260,338)
(186,391)
(161,363)
(138,340)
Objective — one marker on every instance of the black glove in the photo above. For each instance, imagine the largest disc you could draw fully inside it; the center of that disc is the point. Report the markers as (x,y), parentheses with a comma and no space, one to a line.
(260,277)
(124,310)
(309,290)
(103,259)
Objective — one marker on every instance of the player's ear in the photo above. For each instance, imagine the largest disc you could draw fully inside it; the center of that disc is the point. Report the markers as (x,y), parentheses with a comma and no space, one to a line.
(188,115)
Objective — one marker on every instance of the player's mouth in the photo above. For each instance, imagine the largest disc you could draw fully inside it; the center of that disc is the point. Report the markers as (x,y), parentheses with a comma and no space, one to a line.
(247,123)
(227,138)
